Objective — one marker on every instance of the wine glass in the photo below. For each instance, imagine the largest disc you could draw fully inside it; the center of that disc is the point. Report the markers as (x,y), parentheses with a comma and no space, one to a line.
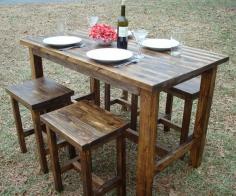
(92,21)
(177,35)
(61,27)
(139,36)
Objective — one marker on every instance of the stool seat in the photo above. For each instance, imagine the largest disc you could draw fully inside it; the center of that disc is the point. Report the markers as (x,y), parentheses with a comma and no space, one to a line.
(189,88)
(84,124)
(39,93)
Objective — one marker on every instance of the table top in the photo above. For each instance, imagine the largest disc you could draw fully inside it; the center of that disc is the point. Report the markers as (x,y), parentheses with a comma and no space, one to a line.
(157,70)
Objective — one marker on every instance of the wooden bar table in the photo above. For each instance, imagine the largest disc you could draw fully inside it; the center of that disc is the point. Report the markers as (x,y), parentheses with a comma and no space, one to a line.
(147,79)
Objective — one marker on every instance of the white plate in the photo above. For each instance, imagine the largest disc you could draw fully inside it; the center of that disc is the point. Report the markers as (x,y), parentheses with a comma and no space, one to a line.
(160,44)
(109,55)
(62,40)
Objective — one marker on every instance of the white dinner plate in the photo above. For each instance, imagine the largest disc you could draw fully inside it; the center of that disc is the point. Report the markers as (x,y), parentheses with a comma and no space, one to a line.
(160,44)
(62,40)
(109,55)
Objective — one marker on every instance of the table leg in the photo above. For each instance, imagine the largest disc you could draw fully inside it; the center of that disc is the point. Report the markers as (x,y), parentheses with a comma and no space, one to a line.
(95,88)
(149,105)
(36,65)
(202,116)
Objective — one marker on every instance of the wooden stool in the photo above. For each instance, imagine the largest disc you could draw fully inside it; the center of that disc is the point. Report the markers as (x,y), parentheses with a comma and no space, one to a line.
(188,91)
(39,95)
(85,126)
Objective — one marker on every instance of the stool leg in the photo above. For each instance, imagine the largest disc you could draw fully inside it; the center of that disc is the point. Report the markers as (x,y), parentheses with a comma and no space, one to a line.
(19,128)
(186,120)
(125,97)
(168,110)
(39,141)
(71,151)
(121,165)
(86,170)
(107,97)
(56,170)
(134,112)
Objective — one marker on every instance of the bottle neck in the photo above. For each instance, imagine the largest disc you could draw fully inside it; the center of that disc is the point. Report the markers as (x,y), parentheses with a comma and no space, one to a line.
(122,10)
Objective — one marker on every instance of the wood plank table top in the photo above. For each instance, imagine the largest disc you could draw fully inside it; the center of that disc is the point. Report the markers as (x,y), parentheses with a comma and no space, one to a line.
(157,70)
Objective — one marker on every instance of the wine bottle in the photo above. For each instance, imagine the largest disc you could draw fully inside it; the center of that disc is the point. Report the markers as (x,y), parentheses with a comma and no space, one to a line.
(122,29)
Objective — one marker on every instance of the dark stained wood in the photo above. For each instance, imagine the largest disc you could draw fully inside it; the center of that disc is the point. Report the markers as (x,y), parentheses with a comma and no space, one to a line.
(28,132)
(95,89)
(86,170)
(188,103)
(36,65)
(134,136)
(202,116)
(169,124)
(168,110)
(122,102)
(175,154)
(145,75)
(156,72)
(121,165)
(107,97)
(84,124)
(96,180)
(189,89)
(19,128)
(85,97)
(109,185)
(125,97)
(134,112)
(56,169)
(39,141)
(147,142)
(60,144)
(40,93)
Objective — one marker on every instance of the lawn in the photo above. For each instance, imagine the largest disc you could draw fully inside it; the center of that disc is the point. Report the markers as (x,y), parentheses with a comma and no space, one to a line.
(206,24)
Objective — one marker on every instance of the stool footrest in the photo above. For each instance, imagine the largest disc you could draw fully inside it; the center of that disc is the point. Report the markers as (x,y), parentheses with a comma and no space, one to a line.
(133,136)
(28,132)
(175,154)
(122,102)
(85,97)
(108,185)
(169,124)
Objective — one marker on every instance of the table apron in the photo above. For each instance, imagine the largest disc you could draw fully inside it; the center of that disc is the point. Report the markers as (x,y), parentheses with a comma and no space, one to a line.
(76,67)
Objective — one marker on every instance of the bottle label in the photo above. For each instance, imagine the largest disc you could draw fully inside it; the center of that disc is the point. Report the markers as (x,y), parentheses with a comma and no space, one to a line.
(123,32)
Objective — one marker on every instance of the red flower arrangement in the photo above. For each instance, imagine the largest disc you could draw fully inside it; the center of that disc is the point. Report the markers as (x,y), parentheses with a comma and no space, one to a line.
(103,32)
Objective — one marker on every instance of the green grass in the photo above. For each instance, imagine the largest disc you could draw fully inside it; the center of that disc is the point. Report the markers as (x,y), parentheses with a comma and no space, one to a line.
(207,24)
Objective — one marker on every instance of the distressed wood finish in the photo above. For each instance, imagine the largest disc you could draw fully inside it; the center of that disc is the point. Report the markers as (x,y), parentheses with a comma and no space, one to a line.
(93,125)
(155,73)
(147,141)
(156,70)
(168,110)
(36,65)
(95,89)
(39,141)
(85,126)
(56,169)
(202,115)
(38,96)
(121,164)
(19,128)
(107,97)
